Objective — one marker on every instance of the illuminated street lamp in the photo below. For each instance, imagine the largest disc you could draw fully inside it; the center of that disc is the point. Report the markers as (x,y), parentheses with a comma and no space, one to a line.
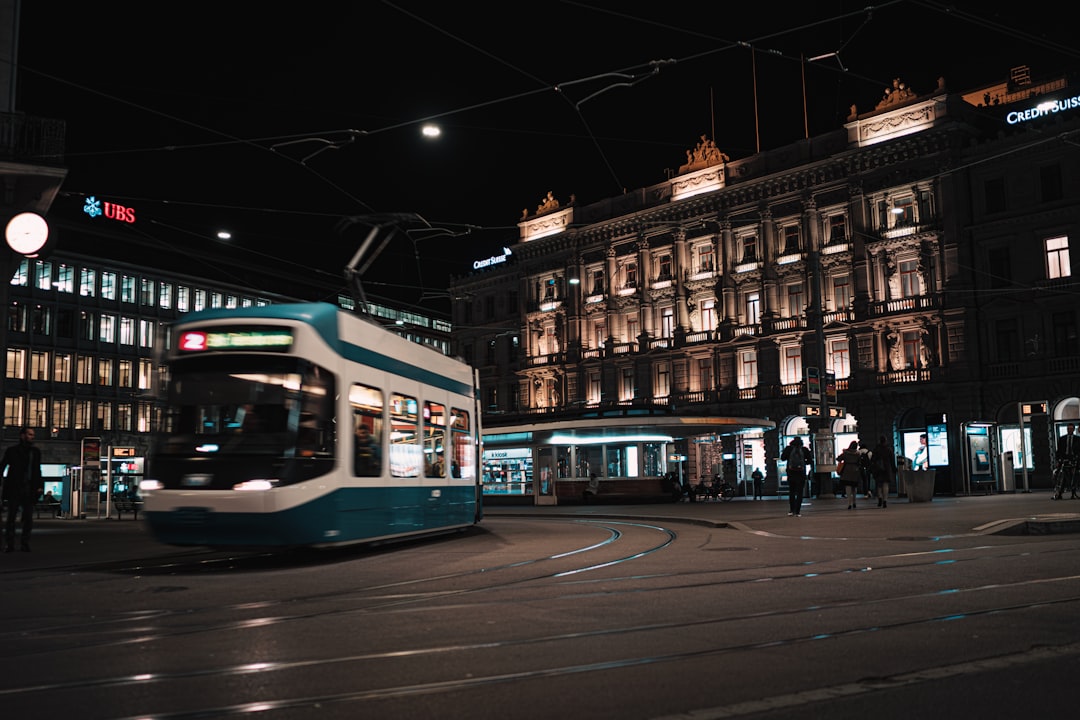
(27,233)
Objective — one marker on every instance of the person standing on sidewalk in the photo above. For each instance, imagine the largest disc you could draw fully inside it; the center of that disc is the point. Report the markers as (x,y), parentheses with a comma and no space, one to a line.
(22,486)
(883,468)
(758,481)
(797,459)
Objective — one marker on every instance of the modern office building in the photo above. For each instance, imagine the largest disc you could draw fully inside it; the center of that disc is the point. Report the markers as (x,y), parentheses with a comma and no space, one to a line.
(907,274)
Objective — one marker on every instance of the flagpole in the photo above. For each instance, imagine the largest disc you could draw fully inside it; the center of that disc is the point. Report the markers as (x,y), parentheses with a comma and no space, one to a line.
(753,66)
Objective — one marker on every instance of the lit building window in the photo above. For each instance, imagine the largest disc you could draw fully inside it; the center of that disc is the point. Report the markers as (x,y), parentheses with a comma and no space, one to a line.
(38,411)
(664,264)
(705,374)
(791,370)
(667,322)
(837,232)
(61,413)
(146,374)
(84,370)
(1057,258)
(87,282)
(165,295)
(909,278)
(83,414)
(127,289)
(39,365)
(708,315)
(838,360)
(749,248)
(127,331)
(16,363)
(22,274)
(108,286)
(105,372)
(705,258)
(791,240)
(143,420)
(903,211)
(104,416)
(44,275)
(146,292)
(626,384)
(107,330)
(753,309)
(62,368)
(65,279)
(124,373)
(146,333)
(748,377)
(594,387)
(13,411)
(663,380)
(796,299)
(841,294)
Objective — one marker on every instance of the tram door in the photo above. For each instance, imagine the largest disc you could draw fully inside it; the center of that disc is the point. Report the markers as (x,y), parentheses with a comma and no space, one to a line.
(544,475)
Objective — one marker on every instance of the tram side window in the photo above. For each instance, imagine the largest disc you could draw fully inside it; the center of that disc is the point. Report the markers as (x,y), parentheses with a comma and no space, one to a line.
(462,459)
(434,439)
(405,452)
(367,409)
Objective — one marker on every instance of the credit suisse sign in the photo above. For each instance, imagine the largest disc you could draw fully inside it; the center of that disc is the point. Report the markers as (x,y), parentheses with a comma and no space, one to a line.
(1042,109)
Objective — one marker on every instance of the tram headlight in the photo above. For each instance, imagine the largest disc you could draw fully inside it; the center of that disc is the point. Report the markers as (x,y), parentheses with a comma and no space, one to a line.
(255,485)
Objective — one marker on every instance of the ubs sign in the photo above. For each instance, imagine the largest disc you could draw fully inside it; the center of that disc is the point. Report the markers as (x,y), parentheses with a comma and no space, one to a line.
(95,208)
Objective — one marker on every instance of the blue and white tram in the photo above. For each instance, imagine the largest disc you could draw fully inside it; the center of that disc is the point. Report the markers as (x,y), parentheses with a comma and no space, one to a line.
(305,425)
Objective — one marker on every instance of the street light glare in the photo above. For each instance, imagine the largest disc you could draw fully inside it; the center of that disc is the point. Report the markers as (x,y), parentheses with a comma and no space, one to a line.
(224,235)
(431,131)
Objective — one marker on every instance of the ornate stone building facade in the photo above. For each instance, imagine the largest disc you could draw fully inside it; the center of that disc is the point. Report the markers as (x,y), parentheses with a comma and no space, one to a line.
(919,257)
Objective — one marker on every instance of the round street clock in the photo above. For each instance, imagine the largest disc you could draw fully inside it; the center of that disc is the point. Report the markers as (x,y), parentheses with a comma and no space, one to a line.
(27,233)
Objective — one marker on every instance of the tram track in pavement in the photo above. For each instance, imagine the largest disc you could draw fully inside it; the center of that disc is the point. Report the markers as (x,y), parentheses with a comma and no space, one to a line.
(568,583)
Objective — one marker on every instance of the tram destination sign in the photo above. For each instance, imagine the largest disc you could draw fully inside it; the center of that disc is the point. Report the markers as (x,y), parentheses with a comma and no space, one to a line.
(194,341)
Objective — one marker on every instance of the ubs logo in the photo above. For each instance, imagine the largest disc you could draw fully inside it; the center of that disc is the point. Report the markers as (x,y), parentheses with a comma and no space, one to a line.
(95,208)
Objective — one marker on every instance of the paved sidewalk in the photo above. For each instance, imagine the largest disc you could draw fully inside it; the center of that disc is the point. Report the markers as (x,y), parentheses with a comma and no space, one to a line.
(73,544)
(1034,513)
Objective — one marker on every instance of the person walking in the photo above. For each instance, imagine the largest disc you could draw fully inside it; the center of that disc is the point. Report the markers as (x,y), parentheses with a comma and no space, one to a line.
(797,458)
(850,472)
(1068,451)
(758,481)
(865,486)
(22,486)
(883,468)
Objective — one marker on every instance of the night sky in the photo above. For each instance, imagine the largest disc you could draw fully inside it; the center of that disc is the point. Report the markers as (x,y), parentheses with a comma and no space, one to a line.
(292,125)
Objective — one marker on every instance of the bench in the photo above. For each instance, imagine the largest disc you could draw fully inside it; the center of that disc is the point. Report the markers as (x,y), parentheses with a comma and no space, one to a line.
(50,509)
(618,490)
(127,506)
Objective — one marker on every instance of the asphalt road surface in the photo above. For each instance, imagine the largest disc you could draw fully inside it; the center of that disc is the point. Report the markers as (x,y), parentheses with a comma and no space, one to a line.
(716,610)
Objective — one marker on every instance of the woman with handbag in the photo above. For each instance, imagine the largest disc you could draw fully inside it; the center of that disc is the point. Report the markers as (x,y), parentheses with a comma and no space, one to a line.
(850,473)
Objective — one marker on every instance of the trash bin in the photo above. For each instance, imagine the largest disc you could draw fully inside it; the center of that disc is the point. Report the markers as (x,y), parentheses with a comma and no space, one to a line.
(919,484)
(1008,472)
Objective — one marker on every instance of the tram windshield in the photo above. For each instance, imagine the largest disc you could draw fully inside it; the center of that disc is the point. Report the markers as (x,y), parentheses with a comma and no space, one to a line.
(227,406)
